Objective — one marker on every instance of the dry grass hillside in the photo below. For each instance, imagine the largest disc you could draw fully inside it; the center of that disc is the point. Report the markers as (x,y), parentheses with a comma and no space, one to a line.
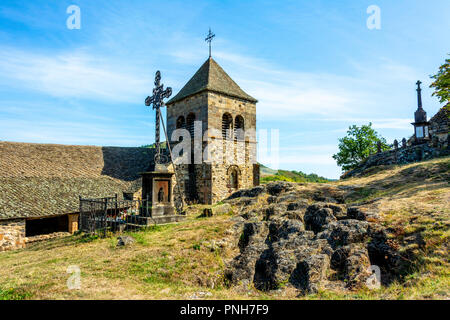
(187,260)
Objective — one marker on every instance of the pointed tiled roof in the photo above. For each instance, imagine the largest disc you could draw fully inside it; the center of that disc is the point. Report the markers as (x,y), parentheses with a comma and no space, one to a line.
(211,77)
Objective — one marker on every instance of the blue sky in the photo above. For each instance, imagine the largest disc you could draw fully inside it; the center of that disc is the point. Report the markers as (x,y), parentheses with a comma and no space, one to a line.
(314,66)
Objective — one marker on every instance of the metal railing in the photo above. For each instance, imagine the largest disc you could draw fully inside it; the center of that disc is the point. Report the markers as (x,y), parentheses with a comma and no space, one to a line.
(103,215)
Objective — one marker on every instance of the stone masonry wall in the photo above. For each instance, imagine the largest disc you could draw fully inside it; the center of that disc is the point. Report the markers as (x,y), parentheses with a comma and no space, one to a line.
(12,234)
(212,177)
(409,154)
(240,155)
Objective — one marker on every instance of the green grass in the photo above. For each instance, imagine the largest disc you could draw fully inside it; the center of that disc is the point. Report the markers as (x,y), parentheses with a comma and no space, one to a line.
(174,261)
(14,294)
(269,175)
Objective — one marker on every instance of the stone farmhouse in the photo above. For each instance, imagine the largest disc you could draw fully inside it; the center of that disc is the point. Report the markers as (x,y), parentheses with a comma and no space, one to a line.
(41,184)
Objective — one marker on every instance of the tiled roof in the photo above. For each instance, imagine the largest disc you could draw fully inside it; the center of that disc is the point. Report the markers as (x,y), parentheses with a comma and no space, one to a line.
(211,77)
(46,179)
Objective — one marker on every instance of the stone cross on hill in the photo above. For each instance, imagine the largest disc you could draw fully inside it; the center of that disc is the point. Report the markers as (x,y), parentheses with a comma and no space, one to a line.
(419,94)
(157,100)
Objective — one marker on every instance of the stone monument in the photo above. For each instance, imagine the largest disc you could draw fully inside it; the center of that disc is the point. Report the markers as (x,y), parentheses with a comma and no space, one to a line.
(157,182)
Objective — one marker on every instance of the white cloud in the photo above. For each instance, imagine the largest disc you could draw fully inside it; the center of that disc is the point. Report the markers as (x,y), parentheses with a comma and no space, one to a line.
(71,75)
(315,159)
(365,88)
(389,123)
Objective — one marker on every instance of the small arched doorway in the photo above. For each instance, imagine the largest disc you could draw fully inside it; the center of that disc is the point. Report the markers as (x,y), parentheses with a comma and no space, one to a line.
(233,175)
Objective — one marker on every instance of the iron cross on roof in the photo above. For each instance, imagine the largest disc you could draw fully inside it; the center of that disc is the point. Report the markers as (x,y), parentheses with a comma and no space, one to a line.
(208,39)
(157,100)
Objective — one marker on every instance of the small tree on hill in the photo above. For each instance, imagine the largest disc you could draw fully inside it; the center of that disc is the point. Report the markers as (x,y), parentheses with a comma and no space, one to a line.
(441,82)
(359,143)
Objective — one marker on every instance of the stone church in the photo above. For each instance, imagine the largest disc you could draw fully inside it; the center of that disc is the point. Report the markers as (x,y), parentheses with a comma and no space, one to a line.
(226,117)
(41,184)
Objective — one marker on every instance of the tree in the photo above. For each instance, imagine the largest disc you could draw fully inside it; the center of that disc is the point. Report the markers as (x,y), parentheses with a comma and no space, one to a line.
(359,143)
(441,82)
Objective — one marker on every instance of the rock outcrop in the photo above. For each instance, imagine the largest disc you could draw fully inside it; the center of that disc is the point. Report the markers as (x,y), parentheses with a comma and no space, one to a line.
(292,241)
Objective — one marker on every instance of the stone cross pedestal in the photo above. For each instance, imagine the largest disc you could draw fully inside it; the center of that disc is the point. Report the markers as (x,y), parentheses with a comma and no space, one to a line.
(157,189)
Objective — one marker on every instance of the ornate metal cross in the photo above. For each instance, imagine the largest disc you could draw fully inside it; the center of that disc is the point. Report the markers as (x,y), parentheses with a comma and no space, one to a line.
(208,39)
(419,94)
(157,100)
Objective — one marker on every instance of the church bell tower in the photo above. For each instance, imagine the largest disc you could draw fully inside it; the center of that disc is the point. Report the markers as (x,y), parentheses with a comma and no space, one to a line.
(213,108)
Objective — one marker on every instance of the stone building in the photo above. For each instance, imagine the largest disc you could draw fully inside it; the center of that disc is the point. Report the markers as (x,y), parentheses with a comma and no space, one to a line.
(213,107)
(40,185)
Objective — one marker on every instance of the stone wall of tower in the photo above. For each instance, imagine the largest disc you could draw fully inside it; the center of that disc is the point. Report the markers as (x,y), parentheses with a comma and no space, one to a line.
(198,105)
(237,154)
(212,176)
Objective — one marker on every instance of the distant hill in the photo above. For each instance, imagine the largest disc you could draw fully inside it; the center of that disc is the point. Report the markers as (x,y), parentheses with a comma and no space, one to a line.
(153,145)
(268,174)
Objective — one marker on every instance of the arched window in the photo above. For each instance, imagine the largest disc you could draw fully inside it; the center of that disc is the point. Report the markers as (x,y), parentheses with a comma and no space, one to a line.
(227,125)
(239,128)
(190,123)
(233,177)
(180,122)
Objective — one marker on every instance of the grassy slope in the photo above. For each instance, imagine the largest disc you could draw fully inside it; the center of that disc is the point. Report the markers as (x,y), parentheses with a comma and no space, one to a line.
(173,261)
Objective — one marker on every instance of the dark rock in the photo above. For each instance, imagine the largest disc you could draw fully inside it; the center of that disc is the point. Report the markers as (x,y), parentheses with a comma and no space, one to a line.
(207,212)
(295,215)
(242,268)
(316,216)
(287,245)
(276,188)
(245,201)
(300,204)
(310,272)
(339,258)
(288,197)
(357,267)
(125,241)
(352,263)
(250,231)
(283,228)
(344,232)
(356,213)
(250,215)
(382,254)
(250,193)
(339,211)
(273,210)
